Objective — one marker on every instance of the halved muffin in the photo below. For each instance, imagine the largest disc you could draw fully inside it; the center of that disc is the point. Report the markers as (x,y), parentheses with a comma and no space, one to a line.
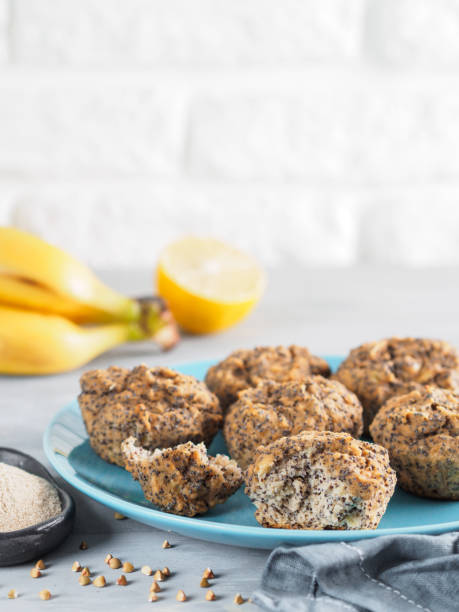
(320,480)
(184,479)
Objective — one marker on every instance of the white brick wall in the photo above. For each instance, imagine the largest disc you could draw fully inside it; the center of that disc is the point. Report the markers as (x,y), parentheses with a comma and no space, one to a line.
(322,132)
(360,135)
(134,221)
(185,32)
(422,231)
(89,129)
(4,21)
(415,33)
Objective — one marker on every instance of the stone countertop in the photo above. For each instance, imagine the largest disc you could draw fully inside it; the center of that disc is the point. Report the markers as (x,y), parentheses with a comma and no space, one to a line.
(329,311)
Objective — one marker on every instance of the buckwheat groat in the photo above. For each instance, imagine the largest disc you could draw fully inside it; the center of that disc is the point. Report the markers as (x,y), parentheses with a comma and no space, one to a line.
(246,368)
(184,479)
(377,371)
(272,410)
(158,406)
(421,432)
(320,480)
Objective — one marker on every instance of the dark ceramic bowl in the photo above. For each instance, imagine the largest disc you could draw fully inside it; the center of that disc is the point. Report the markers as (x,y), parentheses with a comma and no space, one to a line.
(35,541)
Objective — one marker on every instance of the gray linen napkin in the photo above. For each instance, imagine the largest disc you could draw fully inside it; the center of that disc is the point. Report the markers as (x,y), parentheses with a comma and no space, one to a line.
(412,573)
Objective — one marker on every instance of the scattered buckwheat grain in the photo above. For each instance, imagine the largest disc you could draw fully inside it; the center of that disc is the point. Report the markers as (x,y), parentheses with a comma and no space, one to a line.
(114,563)
(210,596)
(99,581)
(180,596)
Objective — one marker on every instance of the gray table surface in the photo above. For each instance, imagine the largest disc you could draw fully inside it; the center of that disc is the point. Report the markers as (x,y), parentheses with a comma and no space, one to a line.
(329,311)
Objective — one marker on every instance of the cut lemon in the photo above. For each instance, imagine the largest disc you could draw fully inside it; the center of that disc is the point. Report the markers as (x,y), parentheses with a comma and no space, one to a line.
(208,285)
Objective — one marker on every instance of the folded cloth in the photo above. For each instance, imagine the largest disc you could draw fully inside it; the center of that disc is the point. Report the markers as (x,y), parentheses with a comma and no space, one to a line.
(412,573)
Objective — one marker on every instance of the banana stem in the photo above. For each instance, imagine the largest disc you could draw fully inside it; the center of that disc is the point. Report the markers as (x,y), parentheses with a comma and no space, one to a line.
(154,322)
(148,318)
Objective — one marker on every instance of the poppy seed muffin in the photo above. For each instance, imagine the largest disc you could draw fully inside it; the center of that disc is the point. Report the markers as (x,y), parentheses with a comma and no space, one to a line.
(421,432)
(320,480)
(379,370)
(247,368)
(158,406)
(272,410)
(184,479)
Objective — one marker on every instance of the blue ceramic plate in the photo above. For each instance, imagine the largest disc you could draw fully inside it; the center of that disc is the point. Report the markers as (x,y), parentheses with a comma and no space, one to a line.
(67,448)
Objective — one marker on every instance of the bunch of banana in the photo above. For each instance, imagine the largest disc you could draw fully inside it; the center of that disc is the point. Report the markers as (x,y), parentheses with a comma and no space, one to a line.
(55,314)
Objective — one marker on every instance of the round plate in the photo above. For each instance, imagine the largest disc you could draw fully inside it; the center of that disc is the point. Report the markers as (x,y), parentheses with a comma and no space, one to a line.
(67,448)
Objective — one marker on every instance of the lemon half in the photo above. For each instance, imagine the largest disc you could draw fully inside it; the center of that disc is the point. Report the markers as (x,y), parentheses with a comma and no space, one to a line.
(208,284)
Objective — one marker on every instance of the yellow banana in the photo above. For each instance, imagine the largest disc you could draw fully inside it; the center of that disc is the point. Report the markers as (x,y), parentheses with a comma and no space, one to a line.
(37,275)
(44,293)
(26,294)
(35,343)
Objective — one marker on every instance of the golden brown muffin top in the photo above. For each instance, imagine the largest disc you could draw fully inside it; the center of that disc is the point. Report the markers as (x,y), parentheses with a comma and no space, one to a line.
(272,410)
(378,370)
(362,465)
(159,406)
(247,368)
(425,421)
(157,390)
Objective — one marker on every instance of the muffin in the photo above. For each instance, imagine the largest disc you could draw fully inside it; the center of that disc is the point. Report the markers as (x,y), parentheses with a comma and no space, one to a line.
(158,406)
(247,368)
(377,371)
(184,479)
(320,480)
(421,432)
(272,410)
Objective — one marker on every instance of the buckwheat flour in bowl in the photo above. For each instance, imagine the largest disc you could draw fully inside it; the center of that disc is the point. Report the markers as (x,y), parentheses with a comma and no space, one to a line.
(25,499)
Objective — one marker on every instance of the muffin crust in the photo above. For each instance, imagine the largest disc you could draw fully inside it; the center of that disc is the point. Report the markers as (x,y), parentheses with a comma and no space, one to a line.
(421,432)
(184,479)
(272,410)
(247,368)
(379,370)
(158,406)
(320,480)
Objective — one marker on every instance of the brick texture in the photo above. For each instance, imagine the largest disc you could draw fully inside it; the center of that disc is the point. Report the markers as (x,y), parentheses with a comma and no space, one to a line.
(125,226)
(419,230)
(89,130)
(4,22)
(359,135)
(323,132)
(183,32)
(414,33)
